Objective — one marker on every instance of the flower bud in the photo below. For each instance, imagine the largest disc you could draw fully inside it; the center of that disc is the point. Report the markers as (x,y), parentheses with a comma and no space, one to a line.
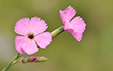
(33,59)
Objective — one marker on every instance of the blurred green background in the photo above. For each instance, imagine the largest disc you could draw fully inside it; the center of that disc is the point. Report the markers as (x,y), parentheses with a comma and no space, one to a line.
(93,53)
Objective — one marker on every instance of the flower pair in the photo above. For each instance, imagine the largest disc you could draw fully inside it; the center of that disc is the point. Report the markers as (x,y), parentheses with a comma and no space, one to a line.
(33,34)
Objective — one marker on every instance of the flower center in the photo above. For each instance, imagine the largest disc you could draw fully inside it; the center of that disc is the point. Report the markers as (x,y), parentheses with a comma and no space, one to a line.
(31,36)
(69,26)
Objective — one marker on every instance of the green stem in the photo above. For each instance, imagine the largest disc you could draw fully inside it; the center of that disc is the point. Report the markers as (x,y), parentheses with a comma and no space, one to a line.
(57,31)
(10,64)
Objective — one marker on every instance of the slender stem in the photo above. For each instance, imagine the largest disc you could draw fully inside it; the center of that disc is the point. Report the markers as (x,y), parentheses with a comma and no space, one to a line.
(10,64)
(57,31)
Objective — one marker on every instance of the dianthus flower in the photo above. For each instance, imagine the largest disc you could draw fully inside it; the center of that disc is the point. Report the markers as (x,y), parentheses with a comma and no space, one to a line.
(33,34)
(75,26)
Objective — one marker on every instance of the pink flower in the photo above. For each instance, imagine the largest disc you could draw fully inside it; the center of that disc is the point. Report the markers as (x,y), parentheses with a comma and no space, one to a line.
(33,34)
(75,26)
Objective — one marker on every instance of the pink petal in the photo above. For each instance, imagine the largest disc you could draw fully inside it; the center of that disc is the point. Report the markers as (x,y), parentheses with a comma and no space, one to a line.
(30,47)
(43,39)
(78,24)
(67,14)
(77,28)
(77,36)
(37,25)
(19,40)
(22,26)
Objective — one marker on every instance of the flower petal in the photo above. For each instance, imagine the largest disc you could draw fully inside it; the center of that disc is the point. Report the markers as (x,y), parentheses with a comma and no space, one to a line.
(77,36)
(67,14)
(19,40)
(78,24)
(30,47)
(22,26)
(78,27)
(37,25)
(43,39)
